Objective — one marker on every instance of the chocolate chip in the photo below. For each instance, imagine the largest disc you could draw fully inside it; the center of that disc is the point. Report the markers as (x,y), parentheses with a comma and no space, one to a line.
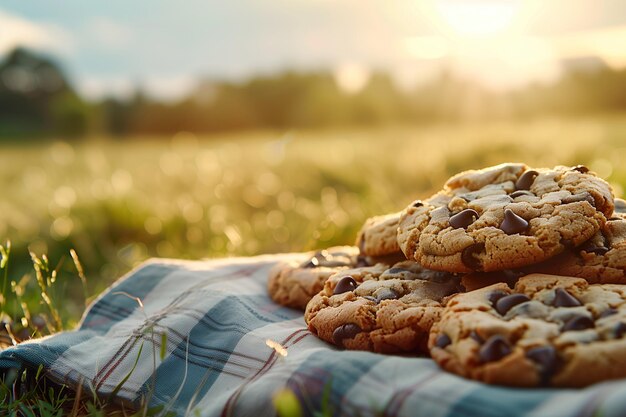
(383,294)
(495,296)
(495,348)
(328,259)
(473,335)
(513,223)
(578,323)
(546,358)
(322,254)
(311,263)
(345,331)
(442,341)
(386,294)
(564,299)
(580,168)
(345,284)
(510,277)
(316,260)
(520,193)
(506,303)
(463,219)
(608,312)
(575,198)
(468,256)
(543,355)
(592,245)
(362,261)
(598,250)
(418,204)
(619,330)
(526,180)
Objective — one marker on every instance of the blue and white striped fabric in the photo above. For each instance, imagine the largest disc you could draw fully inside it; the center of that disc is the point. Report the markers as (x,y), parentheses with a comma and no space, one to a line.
(215,318)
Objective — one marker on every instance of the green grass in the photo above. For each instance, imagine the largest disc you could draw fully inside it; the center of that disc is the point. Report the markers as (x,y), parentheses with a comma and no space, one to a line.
(116,203)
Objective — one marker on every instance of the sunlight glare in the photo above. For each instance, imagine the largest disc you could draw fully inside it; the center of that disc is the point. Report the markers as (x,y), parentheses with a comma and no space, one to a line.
(477,18)
(485,40)
(426,47)
(351,77)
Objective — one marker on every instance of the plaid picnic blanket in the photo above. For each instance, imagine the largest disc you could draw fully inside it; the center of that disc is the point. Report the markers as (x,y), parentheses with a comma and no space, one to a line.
(192,337)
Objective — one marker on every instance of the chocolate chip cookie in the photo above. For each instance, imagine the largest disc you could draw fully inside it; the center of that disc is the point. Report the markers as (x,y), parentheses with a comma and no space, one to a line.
(548,330)
(377,237)
(293,284)
(505,217)
(387,310)
(602,259)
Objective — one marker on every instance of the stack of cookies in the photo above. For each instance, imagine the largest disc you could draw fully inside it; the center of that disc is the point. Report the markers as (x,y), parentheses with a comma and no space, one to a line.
(509,275)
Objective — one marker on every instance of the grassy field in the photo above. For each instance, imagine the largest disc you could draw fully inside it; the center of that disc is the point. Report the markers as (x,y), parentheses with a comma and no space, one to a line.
(117,203)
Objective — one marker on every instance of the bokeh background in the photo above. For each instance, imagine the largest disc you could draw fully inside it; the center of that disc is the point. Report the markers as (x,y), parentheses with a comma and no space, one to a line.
(205,128)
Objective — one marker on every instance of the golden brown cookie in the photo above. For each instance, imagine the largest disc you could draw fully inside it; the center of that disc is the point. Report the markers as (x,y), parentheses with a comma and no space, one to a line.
(602,259)
(293,284)
(505,217)
(548,330)
(380,309)
(377,237)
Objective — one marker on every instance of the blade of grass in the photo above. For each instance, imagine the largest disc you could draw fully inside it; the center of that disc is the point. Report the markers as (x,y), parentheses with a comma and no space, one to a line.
(81,274)
(182,384)
(78,395)
(118,387)
(327,410)
(18,289)
(163,350)
(5,252)
(41,267)
(11,335)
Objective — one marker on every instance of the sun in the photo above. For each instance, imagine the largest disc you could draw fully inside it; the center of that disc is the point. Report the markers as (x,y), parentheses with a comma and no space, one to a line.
(475,18)
(489,41)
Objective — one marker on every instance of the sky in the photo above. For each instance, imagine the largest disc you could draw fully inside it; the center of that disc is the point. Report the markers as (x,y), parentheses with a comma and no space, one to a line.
(165,46)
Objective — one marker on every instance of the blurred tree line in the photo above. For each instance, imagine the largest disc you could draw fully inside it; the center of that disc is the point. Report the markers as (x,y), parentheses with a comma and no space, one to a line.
(37,100)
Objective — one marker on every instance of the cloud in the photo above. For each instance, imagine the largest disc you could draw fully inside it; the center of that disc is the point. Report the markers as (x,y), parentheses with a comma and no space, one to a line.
(109,34)
(17,31)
